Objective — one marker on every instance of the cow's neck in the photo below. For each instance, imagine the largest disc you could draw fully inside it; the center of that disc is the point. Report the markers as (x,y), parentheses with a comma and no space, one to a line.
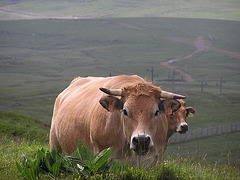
(169,133)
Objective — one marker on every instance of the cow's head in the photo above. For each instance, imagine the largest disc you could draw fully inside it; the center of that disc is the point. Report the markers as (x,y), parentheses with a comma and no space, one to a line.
(143,112)
(177,120)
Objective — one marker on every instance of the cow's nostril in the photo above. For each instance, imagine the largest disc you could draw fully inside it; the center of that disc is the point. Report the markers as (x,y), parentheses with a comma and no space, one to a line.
(184,127)
(141,142)
(135,141)
(147,143)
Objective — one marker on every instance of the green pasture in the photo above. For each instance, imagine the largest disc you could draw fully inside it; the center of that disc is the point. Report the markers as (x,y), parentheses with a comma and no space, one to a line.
(222,149)
(39,58)
(207,9)
(41,51)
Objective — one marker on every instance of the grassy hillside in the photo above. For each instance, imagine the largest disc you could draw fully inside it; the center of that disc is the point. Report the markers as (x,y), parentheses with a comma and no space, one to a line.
(19,134)
(222,149)
(72,9)
(22,126)
(39,58)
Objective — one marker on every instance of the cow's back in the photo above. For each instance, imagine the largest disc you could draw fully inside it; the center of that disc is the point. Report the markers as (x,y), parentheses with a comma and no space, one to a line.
(77,110)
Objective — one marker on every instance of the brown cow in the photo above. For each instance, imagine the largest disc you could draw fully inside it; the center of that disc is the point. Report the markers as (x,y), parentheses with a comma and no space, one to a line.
(177,120)
(133,122)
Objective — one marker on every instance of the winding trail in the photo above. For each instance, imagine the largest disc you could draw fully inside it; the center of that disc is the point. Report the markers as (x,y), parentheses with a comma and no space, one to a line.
(24,14)
(200,46)
(198,43)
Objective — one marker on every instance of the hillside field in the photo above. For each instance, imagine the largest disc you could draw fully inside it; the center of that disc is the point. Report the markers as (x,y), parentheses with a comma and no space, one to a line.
(39,58)
(91,9)
(46,44)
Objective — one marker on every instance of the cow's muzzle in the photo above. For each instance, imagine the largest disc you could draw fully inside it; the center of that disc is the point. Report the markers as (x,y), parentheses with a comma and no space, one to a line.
(183,128)
(141,144)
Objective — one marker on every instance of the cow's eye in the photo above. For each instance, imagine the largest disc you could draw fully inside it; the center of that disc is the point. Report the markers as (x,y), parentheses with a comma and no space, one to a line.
(156,113)
(125,112)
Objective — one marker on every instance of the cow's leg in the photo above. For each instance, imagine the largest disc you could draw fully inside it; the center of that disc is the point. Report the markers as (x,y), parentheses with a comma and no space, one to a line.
(95,150)
(160,154)
(53,140)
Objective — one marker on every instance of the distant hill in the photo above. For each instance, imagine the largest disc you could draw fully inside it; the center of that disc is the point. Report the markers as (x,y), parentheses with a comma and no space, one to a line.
(39,58)
(78,9)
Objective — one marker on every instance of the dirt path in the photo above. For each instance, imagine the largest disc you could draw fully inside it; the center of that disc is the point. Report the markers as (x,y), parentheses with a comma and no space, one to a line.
(17,13)
(200,46)
(30,15)
(130,26)
(228,53)
(199,43)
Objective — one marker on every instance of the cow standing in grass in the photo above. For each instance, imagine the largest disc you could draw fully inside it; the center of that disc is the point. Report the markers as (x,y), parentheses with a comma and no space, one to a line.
(127,113)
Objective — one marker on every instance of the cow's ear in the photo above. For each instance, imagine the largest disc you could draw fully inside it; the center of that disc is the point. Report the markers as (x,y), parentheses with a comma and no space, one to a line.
(169,106)
(190,111)
(111,103)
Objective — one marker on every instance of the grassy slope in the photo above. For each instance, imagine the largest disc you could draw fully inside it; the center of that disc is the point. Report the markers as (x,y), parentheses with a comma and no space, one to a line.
(11,150)
(23,126)
(38,61)
(217,149)
(19,134)
(39,58)
(209,9)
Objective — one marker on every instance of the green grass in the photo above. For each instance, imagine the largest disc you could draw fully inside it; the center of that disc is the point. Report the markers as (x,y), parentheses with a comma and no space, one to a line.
(14,145)
(213,109)
(19,134)
(23,126)
(11,150)
(39,58)
(208,9)
(171,168)
(192,165)
(223,149)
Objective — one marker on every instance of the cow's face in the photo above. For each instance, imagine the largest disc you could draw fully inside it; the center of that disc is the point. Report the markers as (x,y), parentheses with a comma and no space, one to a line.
(142,118)
(140,115)
(177,120)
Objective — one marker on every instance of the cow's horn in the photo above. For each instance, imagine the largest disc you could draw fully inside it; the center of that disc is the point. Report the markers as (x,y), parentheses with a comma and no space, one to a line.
(114,92)
(165,94)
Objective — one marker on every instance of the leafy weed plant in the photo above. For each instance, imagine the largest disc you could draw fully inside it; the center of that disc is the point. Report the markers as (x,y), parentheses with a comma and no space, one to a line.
(81,162)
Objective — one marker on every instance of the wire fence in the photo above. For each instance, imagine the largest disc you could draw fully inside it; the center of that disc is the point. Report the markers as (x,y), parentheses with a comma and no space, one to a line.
(205,132)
